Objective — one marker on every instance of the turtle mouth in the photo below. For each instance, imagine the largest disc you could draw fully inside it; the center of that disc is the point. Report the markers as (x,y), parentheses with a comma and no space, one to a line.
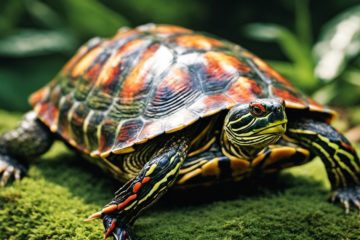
(277,129)
(270,134)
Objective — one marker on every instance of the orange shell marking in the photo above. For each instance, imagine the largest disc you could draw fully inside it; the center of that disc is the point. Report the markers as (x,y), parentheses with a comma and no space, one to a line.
(136,80)
(230,64)
(240,90)
(81,67)
(198,42)
(170,29)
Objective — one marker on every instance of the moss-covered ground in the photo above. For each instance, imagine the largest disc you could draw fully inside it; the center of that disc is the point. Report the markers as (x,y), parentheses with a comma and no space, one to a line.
(61,190)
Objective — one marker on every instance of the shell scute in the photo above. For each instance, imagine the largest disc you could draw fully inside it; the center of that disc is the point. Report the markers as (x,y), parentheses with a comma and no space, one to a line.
(241,85)
(99,101)
(289,94)
(119,65)
(127,132)
(121,110)
(167,97)
(152,129)
(207,105)
(91,129)
(77,119)
(50,111)
(139,80)
(179,120)
(63,123)
(84,64)
(221,70)
(107,134)
(92,43)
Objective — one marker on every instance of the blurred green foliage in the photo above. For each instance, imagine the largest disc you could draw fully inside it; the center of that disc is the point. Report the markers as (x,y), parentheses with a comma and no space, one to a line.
(38,36)
(328,67)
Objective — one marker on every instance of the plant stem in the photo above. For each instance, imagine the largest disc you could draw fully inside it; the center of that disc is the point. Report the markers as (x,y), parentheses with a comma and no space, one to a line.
(303,22)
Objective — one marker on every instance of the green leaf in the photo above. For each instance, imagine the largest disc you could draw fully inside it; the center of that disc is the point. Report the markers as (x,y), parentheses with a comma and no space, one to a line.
(276,33)
(293,48)
(303,22)
(92,18)
(355,114)
(10,13)
(35,42)
(285,68)
(325,94)
(339,43)
(352,76)
(184,12)
(43,13)
(340,93)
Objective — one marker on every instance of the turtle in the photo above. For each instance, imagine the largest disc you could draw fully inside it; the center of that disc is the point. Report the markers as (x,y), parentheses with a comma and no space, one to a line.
(157,106)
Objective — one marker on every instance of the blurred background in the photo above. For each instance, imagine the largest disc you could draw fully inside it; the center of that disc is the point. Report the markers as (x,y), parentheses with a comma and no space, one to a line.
(316,44)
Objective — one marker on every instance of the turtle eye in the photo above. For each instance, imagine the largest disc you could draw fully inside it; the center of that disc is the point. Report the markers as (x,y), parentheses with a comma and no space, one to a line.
(257,109)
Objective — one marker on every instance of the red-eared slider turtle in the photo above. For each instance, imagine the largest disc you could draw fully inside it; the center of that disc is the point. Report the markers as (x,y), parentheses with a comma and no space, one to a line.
(160,105)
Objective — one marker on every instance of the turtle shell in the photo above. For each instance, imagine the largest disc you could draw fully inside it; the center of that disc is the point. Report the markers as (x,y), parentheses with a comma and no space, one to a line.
(150,80)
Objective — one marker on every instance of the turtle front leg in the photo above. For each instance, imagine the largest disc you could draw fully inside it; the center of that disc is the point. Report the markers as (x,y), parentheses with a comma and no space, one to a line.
(338,155)
(17,146)
(152,182)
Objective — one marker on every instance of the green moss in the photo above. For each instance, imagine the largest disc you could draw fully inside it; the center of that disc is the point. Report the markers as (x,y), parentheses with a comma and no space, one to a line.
(62,189)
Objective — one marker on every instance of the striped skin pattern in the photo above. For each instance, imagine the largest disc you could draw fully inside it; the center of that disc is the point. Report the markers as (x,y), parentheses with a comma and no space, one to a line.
(212,166)
(340,158)
(240,126)
(151,183)
(145,81)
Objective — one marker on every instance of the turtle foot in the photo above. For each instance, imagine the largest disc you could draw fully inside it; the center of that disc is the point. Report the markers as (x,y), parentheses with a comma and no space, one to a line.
(120,231)
(349,196)
(10,168)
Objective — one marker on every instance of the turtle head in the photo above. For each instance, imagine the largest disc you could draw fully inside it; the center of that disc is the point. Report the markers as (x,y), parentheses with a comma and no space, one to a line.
(253,126)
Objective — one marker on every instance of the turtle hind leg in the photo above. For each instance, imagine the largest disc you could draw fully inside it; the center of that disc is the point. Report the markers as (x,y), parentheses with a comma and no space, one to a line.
(336,152)
(18,146)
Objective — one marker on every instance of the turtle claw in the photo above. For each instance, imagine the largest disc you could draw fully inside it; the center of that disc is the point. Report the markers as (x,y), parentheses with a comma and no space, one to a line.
(349,196)
(119,231)
(9,168)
